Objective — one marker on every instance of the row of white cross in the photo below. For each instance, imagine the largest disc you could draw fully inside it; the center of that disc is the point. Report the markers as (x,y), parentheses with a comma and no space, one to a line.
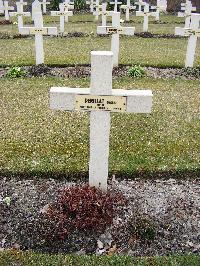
(115,30)
(37,6)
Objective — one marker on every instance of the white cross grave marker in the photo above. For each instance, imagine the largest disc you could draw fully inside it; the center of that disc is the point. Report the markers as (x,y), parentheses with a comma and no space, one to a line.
(162,4)
(97,11)
(128,7)
(115,30)
(6,8)
(38,30)
(115,3)
(68,6)
(91,3)
(140,4)
(146,13)
(44,6)
(193,32)
(1,7)
(100,99)
(36,8)
(62,13)
(20,13)
(188,8)
(103,12)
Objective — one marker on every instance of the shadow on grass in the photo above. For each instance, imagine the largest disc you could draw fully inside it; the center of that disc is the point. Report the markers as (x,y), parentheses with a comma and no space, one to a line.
(82,176)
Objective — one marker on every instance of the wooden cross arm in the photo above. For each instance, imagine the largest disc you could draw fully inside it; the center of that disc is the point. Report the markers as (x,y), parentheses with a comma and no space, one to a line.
(115,30)
(43,30)
(61,13)
(25,14)
(130,101)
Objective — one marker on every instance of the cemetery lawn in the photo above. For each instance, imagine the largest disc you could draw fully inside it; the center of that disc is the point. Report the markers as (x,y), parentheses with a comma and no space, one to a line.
(39,142)
(160,52)
(14,257)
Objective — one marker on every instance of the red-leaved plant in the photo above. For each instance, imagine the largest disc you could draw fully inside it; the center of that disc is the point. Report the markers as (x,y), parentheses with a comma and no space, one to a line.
(84,208)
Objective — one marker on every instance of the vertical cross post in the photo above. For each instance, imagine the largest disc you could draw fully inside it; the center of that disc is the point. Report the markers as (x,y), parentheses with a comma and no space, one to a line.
(36,8)
(192,42)
(115,30)
(44,6)
(67,6)
(127,7)
(38,30)
(100,100)
(193,32)
(20,13)
(140,4)
(146,15)
(115,3)
(62,13)
(6,8)
(187,8)
(91,3)
(101,84)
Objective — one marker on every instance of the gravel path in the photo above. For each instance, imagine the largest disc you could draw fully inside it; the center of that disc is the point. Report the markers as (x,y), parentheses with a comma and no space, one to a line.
(161,217)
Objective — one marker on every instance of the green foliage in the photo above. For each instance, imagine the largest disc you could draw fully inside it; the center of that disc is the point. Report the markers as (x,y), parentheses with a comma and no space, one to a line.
(79,4)
(136,71)
(55,4)
(143,229)
(15,72)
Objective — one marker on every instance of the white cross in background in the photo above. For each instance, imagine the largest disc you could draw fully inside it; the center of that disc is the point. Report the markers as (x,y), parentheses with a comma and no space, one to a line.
(146,13)
(20,13)
(38,30)
(162,4)
(103,13)
(193,32)
(6,8)
(91,3)
(68,6)
(100,99)
(127,7)
(188,8)
(115,3)
(44,6)
(115,30)
(62,13)
(97,11)
(36,8)
(140,4)
(1,7)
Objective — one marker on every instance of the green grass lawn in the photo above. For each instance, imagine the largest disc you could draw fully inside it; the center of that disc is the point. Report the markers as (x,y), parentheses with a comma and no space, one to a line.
(38,140)
(10,258)
(85,23)
(65,51)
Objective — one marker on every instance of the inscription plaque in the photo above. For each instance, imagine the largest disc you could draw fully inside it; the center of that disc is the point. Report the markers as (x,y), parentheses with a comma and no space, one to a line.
(101,103)
(38,30)
(114,30)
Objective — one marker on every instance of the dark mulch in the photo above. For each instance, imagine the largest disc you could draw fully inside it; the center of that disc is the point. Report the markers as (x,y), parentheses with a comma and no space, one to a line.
(161,217)
(5,22)
(81,71)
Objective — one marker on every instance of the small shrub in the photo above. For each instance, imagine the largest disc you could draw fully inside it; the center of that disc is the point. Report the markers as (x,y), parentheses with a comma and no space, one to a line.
(136,71)
(83,208)
(15,72)
(143,229)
